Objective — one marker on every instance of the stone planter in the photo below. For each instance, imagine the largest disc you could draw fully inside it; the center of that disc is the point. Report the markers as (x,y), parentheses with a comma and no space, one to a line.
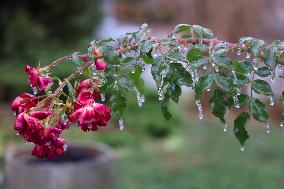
(84,166)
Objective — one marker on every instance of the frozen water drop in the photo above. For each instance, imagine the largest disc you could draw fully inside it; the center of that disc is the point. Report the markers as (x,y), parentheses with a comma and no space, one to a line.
(65,146)
(208,89)
(140,97)
(236,101)
(271,99)
(35,91)
(121,124)
(267,128)
(248,55)
(14,113)
(239,51)
(281,124)
(103,97)
(199,107)
(272,76)
(204,67)
(17,133)
(242,148)
(225,127)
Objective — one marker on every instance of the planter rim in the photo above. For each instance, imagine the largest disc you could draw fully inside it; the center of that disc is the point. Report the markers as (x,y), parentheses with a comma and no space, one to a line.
(104,155)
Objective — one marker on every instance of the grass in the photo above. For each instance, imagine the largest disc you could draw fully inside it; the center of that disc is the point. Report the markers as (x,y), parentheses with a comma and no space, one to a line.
(190,154)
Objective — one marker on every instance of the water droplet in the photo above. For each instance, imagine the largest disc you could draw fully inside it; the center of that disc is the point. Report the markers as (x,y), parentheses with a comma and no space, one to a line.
(271,99)
(272,76)
(216,68)
(65,146)
(225,127)
(14,113)
(267,127)
(196,77)
(35,91)
(281,124)
(204,67)
(199,107)
(236,101)
(239,51)
(26,142)
(248,55)
(103,97)
(80,70)
(121,124)
(155,55)
(235,76)
(17,133)
(242,148)
(208,90)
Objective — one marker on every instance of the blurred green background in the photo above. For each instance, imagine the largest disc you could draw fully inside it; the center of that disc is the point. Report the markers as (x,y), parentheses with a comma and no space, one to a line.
(151,152)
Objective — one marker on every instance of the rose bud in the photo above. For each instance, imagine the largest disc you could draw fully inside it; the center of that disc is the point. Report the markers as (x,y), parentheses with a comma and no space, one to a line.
(100,64)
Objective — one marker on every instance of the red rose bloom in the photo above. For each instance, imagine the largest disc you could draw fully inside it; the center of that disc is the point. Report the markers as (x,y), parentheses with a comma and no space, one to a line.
(88,85)
(23,103)
(91,116)
(61,124)
(30,128)
(36,79)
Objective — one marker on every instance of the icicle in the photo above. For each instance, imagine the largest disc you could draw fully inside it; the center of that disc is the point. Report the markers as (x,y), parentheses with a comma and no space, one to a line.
(103,97)
(160,86)
(216,68)
(17,133)
(35,91)
(236,101)
(255,61)
(281,124)
(14,113)
(140,97)
(248,55)
(272,76)
(242,148)
(65,146)
(239,51)
(271,99)
(267,127)
(199,107)
(196,77)
(121,124)
(235,76)
(225,127)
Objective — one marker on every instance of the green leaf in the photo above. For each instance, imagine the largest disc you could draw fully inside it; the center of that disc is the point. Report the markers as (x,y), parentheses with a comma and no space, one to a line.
(203,83)
(147,59)
(136,78)
(146,45)
(174,91)
(221,60)
(241,80)
(270,57)
(128,59)
(241,67)
(169,42)
(193,55)
(263,71)
(218,104)
(223,81)
(255,47)
(165,106)
(158,67)
(261,87)
(70,90)
(202,32)
(118,103)
(175,55)
(178,74)
(239,127)
(182,28)
(259,110)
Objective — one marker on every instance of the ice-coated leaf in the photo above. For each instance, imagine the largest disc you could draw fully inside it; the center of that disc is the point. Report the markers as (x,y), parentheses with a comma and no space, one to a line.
(178,74)
(218,104)
(203,83)
(202,32)
(174,91)
(239,127)
(223,81)
(137,79)
(261,87)
(165,106)
(263,71)
(241,67)
(270,57)
(259,110)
